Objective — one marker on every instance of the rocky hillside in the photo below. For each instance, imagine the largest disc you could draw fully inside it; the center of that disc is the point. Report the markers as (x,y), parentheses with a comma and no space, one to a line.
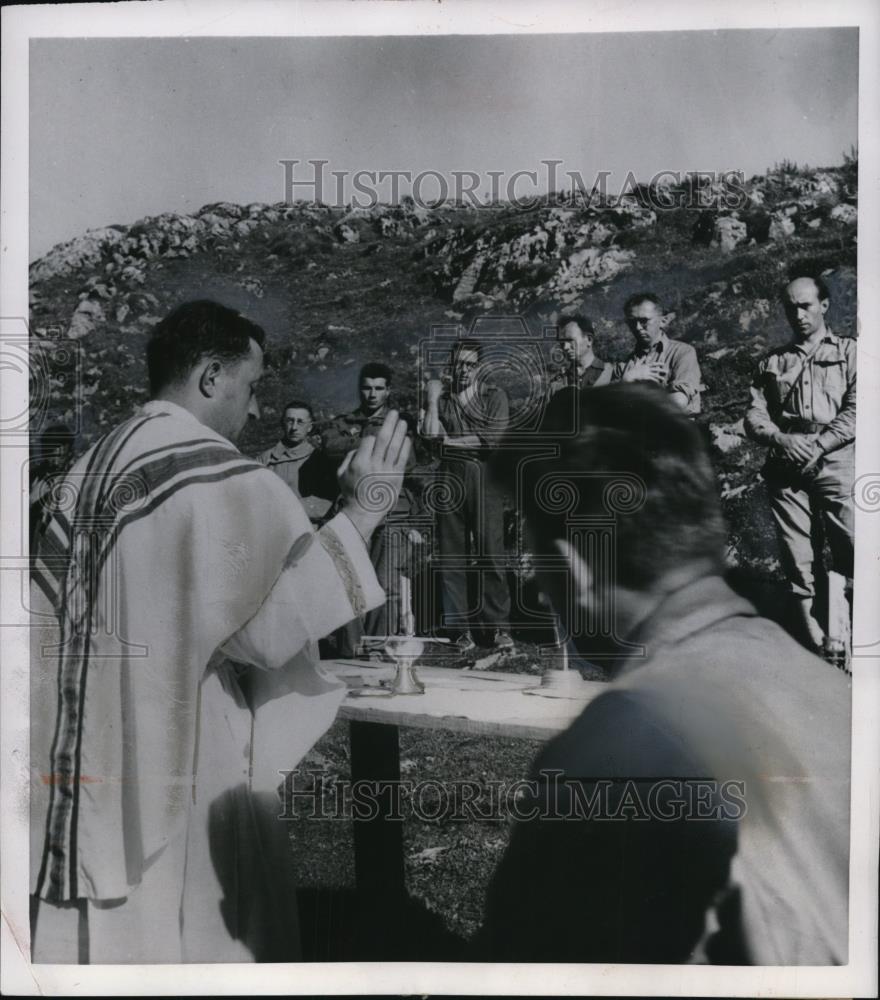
(336,287)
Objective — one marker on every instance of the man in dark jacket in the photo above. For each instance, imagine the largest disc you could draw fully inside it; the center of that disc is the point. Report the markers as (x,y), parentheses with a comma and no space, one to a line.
(698,808)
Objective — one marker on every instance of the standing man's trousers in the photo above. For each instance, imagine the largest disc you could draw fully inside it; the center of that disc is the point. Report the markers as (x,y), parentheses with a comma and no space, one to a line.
(476,509)
(796,499)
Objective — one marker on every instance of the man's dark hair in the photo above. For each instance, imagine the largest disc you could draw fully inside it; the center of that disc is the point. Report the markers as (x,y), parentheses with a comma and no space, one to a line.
(194,331)
(634,435)
(375,369)
(579,319)
(466,345)
(821,286)
(638,298)
(298,404)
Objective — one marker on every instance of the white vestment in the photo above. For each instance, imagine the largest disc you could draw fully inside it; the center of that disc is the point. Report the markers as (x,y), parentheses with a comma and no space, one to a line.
(191,590)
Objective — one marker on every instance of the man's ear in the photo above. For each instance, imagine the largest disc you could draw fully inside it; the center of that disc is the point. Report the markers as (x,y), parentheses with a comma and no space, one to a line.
(580,579)
(208,378)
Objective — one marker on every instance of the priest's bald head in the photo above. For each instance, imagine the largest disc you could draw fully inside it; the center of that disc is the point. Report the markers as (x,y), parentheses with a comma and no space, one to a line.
(208,359)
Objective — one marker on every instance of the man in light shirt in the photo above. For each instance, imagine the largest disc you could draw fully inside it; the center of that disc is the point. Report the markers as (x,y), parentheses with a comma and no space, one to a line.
(803,408)
(657,358)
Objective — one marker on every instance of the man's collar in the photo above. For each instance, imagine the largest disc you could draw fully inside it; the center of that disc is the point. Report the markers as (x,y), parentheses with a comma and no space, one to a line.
(361,414)
(691,608)
(301,450)
(657,347)
(827,338)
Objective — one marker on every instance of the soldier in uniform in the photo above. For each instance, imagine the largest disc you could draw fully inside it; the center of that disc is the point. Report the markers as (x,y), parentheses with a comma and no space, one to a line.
(803,407)
(390,544)
(583,369)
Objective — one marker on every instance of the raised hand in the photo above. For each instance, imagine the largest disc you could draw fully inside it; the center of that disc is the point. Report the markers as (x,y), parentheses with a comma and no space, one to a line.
(370,477)
(433,390)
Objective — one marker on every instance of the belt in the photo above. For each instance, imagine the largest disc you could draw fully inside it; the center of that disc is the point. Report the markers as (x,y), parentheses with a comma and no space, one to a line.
(799,425)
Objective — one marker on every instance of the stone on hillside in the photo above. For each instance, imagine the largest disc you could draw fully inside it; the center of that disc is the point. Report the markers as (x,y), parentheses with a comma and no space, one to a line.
(417,214)
(85,318)
(585,268)
(468,281)
(629,212)
(216,223)
(346,234)
(221,208)
(94,286)
(729,233)
(726,437)
(391,227)
(83,252)
(593,233)
(253,285)
(134,273)
(845,213)
(759,309)
(781,226)
(121,313)
(721,353)
(825,184)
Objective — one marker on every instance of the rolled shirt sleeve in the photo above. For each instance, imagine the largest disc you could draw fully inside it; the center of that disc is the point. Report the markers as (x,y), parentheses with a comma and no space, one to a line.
(684,374)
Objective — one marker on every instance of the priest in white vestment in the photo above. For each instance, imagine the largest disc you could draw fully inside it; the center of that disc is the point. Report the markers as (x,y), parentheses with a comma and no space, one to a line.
(175,675)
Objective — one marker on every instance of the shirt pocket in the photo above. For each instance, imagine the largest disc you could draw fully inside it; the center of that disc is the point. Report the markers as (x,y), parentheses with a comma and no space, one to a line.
(777,385)
(830,378)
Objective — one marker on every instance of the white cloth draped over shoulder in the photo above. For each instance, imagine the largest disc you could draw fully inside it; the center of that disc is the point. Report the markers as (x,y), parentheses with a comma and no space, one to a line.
(190,589)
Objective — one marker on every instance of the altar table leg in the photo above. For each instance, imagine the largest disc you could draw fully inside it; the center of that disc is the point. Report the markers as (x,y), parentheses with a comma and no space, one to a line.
(378,841)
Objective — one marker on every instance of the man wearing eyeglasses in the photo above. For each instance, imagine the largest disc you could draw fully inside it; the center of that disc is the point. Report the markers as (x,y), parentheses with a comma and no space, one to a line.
(657,358)
(469,419)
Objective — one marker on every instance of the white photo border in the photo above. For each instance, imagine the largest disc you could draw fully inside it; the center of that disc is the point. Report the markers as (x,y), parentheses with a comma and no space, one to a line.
(378,17)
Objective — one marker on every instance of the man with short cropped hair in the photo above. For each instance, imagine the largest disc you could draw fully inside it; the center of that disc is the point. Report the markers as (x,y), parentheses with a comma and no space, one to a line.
(574,333)
(390,547)
(697,810)
(293,458)
(657,358)
(190,591)
(803,408)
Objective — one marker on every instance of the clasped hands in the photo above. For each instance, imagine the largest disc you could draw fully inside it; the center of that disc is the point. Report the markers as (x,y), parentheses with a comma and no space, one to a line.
(802,450)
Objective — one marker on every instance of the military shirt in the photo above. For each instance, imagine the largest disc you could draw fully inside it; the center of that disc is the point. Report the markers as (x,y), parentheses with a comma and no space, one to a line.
(794,385)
